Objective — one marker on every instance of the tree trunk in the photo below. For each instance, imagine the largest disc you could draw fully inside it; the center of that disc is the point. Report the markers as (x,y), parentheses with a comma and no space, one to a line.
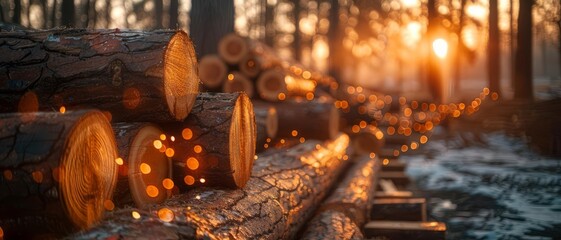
(270,24)
(135,75)
(267,124)
(308,119)
(277,85)
(210,21)
(159,13)
(335,41)
(282,194)
(143,168)
(173,14)
(297,34)
(345,211)
(53,14)
(16,18)
(217,142)
(523,79)
(434,71)
(58,171)
(68,13)
(493,49)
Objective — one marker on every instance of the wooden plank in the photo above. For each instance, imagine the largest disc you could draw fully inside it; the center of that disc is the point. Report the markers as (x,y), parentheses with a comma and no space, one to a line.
(405,230)
(399,209)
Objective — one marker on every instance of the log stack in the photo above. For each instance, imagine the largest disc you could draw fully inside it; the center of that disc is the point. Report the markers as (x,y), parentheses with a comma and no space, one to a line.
(64,168)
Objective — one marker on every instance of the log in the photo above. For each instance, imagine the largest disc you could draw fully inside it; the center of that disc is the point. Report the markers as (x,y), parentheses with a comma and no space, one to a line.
(217,142)
(309,119)
(212,71)
(232,48)
(367,140)
(352,198)
(135,75)
(237,82)
(283,192)
(266,123)
(144,171)
(276,85)
(58,171)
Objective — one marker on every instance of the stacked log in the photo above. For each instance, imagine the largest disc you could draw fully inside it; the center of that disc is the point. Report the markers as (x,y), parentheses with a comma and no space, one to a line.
(217,143)
(344,213)
(135,75)
(281,196)
(58,171)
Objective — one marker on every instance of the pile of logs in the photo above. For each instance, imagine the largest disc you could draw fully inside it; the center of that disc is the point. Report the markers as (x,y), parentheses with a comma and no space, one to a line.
(94,120)
(105,132)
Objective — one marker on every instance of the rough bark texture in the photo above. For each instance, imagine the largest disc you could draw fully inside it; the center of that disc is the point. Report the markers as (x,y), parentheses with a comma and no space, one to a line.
(281,195)
(332,224)
(311,119)
(34,155)
(204,141)
(347,208)
(119,71)
(135,144)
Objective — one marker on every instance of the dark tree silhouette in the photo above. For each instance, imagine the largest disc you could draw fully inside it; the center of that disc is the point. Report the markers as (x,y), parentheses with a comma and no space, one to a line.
(53,14)
(269,24)
(173,13)
(210,21)
(523,87)
(68,13)
(493,48)
(16,18)
(434,74)
(335,40)
(159,12)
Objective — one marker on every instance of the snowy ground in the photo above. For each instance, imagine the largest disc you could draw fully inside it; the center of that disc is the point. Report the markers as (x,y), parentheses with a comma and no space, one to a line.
(489,187)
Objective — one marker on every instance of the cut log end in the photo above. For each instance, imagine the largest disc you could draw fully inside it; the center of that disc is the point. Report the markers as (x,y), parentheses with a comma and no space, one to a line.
(250,66)
(212,71)
(270,85)
(242,140)
(148,168)
(237,82)
(232,48)
(88,172)
(181,81)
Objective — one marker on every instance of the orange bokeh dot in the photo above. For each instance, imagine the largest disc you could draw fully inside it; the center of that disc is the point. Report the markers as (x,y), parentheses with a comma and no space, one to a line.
(168,183)
(145,168)
(170,152)
(187,134)
(197,148)
(192,163)
(108,205)
(189,180)
(37,176)
(131,98)
(166,215)
(152,191)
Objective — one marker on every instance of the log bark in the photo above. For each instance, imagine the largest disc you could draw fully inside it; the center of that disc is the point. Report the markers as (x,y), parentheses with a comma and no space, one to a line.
(144,170)
(352,196)
(58,171)
(212,71)
(238,82)
(310,119)
(276,85)
(346,210)
(281,195)
(217,142)
(266,124)
(136,75)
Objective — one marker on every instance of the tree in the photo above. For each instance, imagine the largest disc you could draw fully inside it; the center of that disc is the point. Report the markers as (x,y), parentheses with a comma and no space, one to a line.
(16,18)
(210,21)
(335,41)
(523,87)
(297,35)
(433,73)
(493,48)
(173,13)
(68,13)
(159,12)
